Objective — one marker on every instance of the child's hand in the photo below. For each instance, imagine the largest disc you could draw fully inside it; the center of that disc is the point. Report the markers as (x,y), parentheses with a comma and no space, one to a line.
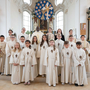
(85,49)
(14,64)
(32,65)
(79,65)
(9,56)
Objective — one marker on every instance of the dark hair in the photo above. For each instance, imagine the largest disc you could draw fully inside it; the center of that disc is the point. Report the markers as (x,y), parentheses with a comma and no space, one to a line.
(33,40)
(70,30)
(70,36)
(13,34)
(10,30)
(82,36)
(61,31)
(28,42)
(66,42)
(2,36)
(78,43)
(22,37)
(42,42)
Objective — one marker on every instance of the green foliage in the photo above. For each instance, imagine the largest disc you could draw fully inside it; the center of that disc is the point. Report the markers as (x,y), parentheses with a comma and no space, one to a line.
(28,32)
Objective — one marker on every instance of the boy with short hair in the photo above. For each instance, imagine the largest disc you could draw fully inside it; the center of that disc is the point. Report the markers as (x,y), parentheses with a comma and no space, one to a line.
(22,42)
(66,57)
(79,57)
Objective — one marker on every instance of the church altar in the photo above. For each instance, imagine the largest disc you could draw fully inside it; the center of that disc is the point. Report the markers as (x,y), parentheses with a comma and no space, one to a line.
(43,16)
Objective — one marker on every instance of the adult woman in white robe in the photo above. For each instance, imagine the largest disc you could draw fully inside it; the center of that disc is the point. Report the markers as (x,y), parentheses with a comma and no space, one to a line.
(51,62)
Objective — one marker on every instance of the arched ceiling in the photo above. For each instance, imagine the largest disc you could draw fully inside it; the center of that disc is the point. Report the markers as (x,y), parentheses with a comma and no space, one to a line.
(24,6)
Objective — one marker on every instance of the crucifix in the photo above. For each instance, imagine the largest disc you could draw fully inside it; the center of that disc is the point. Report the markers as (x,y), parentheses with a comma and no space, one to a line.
(46,9)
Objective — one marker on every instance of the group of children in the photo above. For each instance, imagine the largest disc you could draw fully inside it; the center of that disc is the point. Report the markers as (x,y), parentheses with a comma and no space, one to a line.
(25,60)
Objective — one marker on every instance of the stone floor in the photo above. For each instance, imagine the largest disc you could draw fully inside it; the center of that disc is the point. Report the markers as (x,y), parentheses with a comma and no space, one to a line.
(38,84)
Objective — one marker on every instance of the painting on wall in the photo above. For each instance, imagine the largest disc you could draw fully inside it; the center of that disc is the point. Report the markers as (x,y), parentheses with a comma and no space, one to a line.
(82,28)
(43,25)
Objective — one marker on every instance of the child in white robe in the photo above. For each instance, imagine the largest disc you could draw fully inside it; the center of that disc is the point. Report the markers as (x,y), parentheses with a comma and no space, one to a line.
(71,33)
(9,49)
(28,60)
(43,46)
(79,64)
(85,47)
(72,46)
(15,61)
(22,42)
(66,65)
(10,33)
(59,45)
(22,45)
(35,48)
(51,62)
(2,54)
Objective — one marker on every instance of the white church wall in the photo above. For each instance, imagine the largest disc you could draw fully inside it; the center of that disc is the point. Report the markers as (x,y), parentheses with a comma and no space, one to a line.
(76,14)
(10,17)
(3,17)
(16,18)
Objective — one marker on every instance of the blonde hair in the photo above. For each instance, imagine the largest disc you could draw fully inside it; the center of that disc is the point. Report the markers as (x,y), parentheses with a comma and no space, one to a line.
(59,35)
(19,49)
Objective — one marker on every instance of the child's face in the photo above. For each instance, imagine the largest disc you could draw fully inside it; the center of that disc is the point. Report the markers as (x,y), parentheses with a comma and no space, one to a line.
(70,39)
(27,44)
(50,30)
(71,32)
(10,33)
(59,37)
(17,45)
(2,39)
(78,46)
(66,46)
(82,38)
(51,43)
(44,38)
(35,39)
(12,38)
(22,39)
